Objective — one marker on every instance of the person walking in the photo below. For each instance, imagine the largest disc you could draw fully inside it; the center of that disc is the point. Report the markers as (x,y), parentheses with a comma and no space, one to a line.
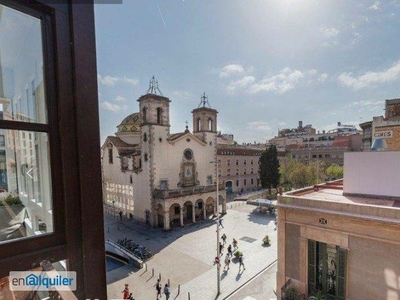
(230,250)
(158,288)
(221,248)
(166,291)
(126,291)
(241,262)
(220,223)
(234,243)
(120,215)
(227,261)
(224,238)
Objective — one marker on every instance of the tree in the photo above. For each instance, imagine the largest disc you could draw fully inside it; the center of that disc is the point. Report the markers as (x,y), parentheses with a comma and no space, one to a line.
(269,168)
(335,171)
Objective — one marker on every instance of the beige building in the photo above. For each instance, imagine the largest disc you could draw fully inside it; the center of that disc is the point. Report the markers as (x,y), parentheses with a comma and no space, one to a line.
(383,133)
(343,238)
(160,178)
(239,167)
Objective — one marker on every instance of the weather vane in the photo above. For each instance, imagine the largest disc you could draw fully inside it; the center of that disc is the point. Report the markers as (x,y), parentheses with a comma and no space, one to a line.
(204,100)
(153,87)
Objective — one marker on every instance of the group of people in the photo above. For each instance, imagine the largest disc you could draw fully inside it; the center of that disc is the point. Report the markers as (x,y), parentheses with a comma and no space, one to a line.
(167,291)
(229,253)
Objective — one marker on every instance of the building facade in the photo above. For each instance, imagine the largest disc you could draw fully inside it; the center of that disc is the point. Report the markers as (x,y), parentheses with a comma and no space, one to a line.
(342,238)
(239,166)
(160,178)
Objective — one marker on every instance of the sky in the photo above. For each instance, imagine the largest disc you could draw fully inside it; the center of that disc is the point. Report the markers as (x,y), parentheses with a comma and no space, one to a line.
(265,65)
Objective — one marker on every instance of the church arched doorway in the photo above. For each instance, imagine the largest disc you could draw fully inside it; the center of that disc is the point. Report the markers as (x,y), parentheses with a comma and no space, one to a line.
(188,212)
(209,207)
(174,215)
(199,210)
(228,186)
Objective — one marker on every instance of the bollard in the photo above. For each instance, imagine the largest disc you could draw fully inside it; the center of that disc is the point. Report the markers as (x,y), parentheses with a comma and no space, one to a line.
(152,272)
(188,296)
(146,267)
(179,289)
(169,284)
(159,276)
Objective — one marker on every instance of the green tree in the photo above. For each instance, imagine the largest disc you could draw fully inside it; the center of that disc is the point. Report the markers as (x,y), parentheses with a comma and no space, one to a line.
(269,168)
(334,171)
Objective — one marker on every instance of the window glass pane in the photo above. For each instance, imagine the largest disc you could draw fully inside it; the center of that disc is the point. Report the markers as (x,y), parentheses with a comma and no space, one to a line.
(25,185)
(22,91)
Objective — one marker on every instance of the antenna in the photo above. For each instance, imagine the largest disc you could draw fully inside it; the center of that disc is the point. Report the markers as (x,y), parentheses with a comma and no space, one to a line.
(204,101)
(153,87)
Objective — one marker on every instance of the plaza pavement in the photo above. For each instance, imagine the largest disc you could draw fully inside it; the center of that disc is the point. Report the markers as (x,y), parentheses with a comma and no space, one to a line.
(185,256)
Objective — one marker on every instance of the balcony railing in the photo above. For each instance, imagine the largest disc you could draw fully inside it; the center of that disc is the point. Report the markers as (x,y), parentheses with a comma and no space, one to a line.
(175,193)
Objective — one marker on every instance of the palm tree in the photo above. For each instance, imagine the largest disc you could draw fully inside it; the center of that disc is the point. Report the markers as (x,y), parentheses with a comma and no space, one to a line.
(317,296)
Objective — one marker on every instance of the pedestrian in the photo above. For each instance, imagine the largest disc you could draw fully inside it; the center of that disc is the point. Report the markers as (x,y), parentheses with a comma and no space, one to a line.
(120,215)
(166,291)
(126,291)
(221,248)
(230,250)
(241,262)
(234,243)
(131,297)
(217,261)
(227,261)
(158,288)
(220,223)
(224,238)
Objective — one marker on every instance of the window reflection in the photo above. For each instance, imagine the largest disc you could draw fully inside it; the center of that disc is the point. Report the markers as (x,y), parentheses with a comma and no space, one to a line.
(25,194)
(22,96)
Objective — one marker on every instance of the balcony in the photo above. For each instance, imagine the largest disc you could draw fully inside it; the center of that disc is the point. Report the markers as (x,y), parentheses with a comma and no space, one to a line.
(176,193)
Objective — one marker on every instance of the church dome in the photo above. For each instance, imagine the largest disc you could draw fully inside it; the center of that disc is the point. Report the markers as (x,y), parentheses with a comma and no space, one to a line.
(130,124)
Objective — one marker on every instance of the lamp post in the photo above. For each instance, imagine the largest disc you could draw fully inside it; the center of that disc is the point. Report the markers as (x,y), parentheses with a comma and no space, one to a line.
(216,162)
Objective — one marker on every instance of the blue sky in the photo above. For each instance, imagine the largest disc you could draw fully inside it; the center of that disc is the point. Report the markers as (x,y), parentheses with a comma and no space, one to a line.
(264,64)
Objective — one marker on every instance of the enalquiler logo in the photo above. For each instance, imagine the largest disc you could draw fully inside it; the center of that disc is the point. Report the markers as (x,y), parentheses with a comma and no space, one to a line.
(43,281)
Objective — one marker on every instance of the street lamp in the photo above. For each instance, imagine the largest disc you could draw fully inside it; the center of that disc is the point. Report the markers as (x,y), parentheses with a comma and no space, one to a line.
(217,162)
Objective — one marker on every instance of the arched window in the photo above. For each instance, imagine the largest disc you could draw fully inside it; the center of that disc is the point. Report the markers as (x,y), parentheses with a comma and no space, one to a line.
(145,137)
(144,112)
(198,125)
(159,115)
(210,124)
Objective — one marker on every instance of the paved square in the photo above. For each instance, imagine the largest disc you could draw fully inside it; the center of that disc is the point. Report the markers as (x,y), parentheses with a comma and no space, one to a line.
(184,256)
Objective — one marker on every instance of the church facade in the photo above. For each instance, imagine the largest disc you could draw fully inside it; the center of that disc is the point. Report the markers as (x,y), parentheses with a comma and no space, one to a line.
(159,178)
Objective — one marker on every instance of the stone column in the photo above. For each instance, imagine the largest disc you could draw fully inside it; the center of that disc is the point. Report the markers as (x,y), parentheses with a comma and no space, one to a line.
(193,214)
(166,220)
(303,264)
(181,216)
(204,211)
(224,206)
(156,219)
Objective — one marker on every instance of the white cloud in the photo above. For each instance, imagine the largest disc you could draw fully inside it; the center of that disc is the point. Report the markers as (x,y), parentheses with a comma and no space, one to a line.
(329,32)
(286,80)
(181,94)
(370,78)
(112,107)
(112,81)
(241,83)
(322,77)
(259,125)
(375,6)
(368,105)
(119,99)
(232,69)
